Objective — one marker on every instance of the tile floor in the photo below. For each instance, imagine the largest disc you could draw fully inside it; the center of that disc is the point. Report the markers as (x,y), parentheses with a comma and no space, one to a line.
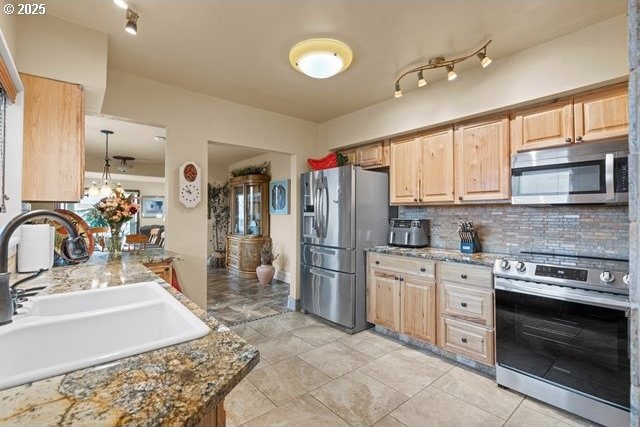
(234,300)
(312,374)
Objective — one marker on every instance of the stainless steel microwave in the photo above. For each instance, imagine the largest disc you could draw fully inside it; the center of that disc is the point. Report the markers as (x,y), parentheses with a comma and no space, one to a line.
(596,172)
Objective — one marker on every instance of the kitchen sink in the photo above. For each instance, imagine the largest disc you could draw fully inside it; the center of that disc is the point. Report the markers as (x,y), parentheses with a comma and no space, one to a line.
(61,333)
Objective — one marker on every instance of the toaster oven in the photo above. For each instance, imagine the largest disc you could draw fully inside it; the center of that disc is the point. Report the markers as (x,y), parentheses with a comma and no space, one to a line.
(410,233)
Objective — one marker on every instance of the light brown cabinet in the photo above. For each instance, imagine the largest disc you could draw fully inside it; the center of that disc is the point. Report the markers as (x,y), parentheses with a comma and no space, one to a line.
(53,148)
(597,115)
(165,271)
(422,168)
(401,295)
(483,162)
(466,310)
(418,307)
(447,304)
(369,156)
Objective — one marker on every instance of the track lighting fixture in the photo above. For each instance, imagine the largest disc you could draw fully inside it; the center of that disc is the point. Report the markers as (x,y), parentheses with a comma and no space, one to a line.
(448,64)
(132,22)
(398,91)
(421,80)
(451,73)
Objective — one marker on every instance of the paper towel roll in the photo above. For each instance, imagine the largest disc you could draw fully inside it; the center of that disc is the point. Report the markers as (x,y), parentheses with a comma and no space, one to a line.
(35,250)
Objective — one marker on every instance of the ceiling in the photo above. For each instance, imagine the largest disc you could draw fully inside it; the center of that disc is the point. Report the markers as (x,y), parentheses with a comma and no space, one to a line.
(128,139)
(238,49)
(223,154)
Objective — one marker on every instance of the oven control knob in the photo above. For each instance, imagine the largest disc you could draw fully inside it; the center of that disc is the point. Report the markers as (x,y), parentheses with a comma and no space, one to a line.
(625,279)
(521,267)
(505,265)
(607,277)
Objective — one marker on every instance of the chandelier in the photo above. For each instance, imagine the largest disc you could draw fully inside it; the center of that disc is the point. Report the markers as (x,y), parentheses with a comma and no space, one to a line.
(105,190)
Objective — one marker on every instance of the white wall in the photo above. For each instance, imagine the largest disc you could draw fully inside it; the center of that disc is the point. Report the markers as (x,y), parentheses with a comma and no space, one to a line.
(577,61)
(192,120)
(218,173)
(57,49)
(284,241)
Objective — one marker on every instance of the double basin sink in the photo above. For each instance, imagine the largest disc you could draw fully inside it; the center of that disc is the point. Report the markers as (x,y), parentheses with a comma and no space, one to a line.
(56,334)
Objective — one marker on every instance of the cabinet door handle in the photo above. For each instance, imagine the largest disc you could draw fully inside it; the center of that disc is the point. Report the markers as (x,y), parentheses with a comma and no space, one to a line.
(464,304)
(396,278)
(464,276)
(377,262)
(459,197)
(464,340)
(578,138)
(415,200)
(420,200)
(166,269)
(423,269)
(567,140)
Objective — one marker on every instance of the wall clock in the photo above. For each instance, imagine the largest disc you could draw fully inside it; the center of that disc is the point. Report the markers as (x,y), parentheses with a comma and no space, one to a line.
(189,184)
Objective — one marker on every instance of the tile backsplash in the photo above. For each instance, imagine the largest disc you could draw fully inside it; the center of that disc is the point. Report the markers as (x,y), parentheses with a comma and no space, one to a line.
(601,231)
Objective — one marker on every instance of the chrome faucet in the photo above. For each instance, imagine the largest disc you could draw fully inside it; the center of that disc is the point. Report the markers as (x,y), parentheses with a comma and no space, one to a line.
(74,245)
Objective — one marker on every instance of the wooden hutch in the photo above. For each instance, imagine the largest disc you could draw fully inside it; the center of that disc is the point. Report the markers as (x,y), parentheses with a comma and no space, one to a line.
(249,223)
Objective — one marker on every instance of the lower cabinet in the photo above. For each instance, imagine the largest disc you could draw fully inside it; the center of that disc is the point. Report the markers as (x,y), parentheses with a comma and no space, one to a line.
(443,303)
(418,308)
(165,271)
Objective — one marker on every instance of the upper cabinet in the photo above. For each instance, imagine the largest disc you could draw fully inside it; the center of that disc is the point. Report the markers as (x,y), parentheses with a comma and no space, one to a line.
(596,115)
(483,163)
(369,156)
(53,150)
(421,168)
(404,169)
(602,114)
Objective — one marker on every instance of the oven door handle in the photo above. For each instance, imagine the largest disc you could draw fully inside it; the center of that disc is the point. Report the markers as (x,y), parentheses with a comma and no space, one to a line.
(509,286)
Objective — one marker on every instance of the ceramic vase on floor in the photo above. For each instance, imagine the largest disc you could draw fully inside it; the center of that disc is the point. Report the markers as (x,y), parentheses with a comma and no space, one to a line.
(265,273)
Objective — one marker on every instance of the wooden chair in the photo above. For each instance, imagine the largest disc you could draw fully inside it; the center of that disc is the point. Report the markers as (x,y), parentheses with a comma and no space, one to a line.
(153,236)
(99,235)
(134,242)
(161,242)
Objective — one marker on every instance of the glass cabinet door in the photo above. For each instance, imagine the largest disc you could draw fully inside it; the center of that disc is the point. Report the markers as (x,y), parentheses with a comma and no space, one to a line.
(238,210)
(254,210)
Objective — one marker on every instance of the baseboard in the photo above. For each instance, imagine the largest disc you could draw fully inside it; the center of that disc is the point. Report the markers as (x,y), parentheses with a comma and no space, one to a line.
(283,276)
(293,304)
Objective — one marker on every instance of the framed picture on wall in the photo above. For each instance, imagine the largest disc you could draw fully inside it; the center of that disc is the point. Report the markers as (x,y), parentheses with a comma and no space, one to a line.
(152,207)
(279,197)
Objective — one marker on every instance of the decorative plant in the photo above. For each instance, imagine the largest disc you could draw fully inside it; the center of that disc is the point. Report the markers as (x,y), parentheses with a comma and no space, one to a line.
(219,212)
(266,254)
(262,169)
(94,218)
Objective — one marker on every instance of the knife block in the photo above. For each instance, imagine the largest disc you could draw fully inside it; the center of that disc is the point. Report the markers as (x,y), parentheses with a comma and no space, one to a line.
(472,246)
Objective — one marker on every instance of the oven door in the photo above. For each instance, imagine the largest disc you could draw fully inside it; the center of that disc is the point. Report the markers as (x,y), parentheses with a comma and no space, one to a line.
(580,344)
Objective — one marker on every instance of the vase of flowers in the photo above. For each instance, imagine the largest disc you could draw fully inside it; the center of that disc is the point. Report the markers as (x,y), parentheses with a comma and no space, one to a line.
(116,210)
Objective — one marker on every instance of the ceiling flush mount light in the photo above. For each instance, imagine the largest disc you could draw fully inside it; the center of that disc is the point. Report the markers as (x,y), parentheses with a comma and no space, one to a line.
(320,58)
(132,22)
(159,138)
(122,4)
(448,64)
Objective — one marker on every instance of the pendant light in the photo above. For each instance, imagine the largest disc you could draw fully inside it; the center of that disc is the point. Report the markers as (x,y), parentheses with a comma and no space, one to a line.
(105,190)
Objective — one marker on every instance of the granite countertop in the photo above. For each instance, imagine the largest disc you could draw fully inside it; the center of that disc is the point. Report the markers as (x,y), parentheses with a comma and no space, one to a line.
(176,385)
(438,254)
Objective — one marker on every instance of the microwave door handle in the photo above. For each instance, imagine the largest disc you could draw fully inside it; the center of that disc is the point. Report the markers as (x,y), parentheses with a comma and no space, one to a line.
(608,177)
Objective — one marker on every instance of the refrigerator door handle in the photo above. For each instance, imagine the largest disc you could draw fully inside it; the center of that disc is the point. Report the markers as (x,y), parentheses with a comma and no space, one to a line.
(322,251)
(322,273)
(325,215)
(316,208)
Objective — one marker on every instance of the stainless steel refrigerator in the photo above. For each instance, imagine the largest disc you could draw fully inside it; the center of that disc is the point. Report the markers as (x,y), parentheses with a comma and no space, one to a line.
(344,211)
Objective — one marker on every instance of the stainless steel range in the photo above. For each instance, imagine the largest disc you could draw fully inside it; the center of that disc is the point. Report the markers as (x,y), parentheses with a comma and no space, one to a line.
(562,333)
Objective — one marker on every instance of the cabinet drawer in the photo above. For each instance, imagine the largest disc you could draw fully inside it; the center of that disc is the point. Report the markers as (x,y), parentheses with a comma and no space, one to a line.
(466,303)
(423,268)
(466,274)
(469,340)
(233,262)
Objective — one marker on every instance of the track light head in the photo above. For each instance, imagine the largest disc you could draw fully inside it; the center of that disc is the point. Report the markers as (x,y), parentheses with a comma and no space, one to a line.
(398,93)
(132,22)
(451,73)
(122,4)
(421,80)
(484,59)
